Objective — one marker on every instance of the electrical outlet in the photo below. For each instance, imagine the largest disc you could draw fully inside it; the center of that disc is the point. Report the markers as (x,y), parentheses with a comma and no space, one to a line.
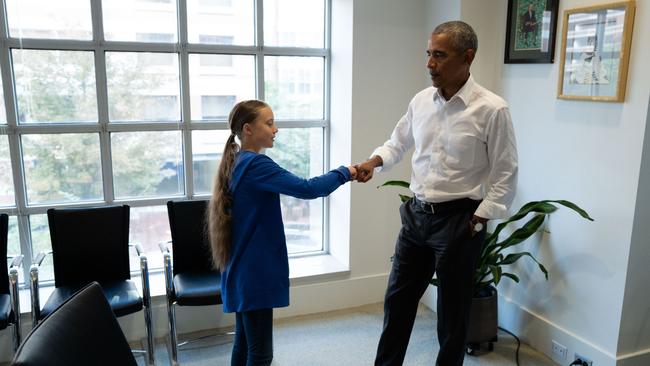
(559,350)
(585,361)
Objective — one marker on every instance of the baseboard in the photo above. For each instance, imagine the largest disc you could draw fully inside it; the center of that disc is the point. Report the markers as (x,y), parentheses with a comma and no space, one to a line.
(639,358)
(539,332)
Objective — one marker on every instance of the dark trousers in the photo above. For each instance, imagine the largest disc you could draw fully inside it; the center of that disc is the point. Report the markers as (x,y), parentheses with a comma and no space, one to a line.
(428,243)
(253,344)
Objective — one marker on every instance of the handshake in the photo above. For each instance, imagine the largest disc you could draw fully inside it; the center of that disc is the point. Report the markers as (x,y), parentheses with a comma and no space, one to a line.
(363,172)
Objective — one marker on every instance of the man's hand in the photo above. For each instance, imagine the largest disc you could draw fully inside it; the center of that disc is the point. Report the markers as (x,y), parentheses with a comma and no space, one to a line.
(367,168)
(477,224)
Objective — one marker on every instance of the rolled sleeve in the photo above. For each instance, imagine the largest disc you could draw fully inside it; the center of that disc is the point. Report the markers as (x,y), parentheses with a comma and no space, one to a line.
(502,178)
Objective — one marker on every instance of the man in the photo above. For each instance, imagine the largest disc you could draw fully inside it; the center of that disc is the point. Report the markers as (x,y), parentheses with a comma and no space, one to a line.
(464,171)
(530,24)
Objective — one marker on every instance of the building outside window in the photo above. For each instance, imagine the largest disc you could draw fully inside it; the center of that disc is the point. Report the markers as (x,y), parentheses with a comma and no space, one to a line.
(96,112)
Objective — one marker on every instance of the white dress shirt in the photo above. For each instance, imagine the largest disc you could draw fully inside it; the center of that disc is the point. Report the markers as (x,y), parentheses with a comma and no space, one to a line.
(464,148)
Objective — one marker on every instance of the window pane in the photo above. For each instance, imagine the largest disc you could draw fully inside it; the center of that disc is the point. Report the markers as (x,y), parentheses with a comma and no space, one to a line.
(41,242)
(294,86)
(6,181)
(147,164)
(3,112)
(300,150)
(69,19)
(217,82)
(149,226)
(13,244)
(13,241)
(294,23)
(207,148)
(62,167)
(125,19)
(140,89)
(55,86)
(221,21)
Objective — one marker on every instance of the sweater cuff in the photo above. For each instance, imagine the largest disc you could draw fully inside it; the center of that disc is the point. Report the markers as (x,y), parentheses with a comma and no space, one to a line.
(344,171)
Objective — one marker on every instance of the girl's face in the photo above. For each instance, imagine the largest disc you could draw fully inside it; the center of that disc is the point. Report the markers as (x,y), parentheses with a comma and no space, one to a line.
(261,132)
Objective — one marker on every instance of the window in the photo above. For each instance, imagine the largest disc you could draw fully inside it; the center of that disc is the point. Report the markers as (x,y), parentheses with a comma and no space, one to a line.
(222,3)
(136,117)
(216,106)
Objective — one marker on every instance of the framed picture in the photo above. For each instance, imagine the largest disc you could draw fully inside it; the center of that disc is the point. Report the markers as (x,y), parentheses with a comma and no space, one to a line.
(595,52)
(530,34)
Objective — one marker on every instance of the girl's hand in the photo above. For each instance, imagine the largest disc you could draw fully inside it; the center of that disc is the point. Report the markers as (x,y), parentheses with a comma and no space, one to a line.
(353,172)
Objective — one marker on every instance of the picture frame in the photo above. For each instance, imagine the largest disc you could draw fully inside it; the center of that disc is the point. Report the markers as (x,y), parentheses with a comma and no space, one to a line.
(530,31)
(596,44)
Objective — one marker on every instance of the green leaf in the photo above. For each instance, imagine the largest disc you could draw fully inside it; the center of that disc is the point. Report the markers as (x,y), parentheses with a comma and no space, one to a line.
(496,274)
(404,197)
(511,276)
(522,233)
(574,207)
(398,183)
(536,206)
(511,258)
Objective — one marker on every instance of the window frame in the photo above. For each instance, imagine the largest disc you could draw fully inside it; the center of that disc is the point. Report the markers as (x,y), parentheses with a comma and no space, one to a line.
(99,46)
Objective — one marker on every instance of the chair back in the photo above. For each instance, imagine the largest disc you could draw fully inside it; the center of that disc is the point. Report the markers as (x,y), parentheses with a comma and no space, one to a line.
(190,243)
(4,270)
(89,244)
(82,331)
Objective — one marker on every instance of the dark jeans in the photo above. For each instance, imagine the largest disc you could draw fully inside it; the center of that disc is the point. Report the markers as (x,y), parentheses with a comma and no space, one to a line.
(253,344)
(428,243)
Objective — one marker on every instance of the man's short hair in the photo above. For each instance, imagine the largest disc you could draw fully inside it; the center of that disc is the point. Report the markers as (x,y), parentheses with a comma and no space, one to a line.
(462,35)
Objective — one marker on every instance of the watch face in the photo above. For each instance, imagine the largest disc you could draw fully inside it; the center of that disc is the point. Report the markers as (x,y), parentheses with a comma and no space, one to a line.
(478,226)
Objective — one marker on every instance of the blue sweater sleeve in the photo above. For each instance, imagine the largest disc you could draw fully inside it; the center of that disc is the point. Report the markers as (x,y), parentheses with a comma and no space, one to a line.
(269,176)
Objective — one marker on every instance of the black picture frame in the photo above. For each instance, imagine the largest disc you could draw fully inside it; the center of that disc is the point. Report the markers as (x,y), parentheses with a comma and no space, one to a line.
(530,36)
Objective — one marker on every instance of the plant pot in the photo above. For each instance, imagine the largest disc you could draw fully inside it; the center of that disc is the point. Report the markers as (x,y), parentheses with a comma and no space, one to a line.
(483,319)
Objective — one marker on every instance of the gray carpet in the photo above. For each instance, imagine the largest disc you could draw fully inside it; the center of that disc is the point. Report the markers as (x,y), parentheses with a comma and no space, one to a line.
(348,338)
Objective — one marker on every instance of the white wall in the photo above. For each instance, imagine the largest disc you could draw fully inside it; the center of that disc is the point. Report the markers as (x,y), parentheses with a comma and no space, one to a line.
(388,68)
(589,153)
(635,321)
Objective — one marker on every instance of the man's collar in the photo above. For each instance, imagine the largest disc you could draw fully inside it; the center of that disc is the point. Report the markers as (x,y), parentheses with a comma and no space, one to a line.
(463,93)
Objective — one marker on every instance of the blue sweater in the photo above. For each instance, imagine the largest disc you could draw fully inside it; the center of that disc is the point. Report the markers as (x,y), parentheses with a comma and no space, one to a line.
(257,274)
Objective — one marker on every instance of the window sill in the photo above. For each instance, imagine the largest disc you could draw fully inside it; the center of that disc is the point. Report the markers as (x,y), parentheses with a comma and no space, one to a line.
(308,269)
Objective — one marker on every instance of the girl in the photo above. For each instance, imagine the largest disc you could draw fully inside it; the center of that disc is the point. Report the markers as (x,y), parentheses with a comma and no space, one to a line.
(246,229)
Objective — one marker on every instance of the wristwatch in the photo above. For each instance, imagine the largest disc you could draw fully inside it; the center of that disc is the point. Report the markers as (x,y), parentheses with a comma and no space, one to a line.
(477,225)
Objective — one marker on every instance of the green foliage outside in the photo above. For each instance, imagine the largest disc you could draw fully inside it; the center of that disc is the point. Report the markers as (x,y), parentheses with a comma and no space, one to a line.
(59,86)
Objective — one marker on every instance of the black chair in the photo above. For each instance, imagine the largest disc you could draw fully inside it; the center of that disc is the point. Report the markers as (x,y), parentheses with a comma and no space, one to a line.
(191,281)
(92,244)
(9,300)
(82,331)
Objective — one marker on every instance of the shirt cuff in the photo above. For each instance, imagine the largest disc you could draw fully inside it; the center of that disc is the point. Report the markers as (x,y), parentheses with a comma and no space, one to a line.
(491,210)
(385,165)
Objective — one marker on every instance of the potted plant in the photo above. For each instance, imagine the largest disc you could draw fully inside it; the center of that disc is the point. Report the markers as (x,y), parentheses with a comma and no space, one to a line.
(494,257)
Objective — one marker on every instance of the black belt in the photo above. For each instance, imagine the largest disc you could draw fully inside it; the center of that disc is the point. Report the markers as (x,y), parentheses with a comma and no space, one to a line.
(463,204)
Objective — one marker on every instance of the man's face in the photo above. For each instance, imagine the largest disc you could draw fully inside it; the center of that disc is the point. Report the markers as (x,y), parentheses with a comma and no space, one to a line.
(448,68)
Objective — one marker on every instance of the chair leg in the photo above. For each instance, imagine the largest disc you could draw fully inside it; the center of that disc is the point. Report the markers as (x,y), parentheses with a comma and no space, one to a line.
(150,336)
(173,339)
(15,307)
